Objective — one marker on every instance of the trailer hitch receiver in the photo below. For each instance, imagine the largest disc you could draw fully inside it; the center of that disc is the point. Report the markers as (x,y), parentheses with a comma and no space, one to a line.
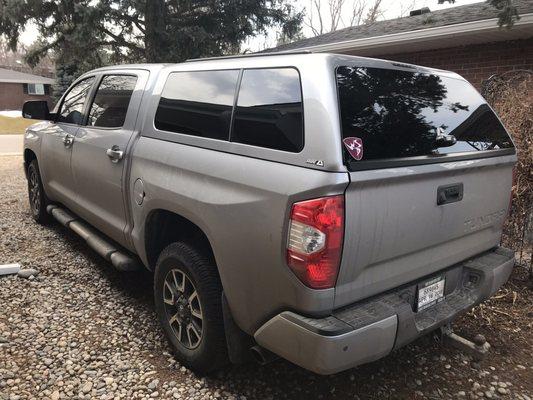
(478,349)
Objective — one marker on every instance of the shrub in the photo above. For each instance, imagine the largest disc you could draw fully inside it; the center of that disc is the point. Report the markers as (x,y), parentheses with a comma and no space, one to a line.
(511,96)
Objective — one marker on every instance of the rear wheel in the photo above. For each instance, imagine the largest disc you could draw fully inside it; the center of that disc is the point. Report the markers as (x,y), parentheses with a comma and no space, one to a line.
(188,295)
(37,197)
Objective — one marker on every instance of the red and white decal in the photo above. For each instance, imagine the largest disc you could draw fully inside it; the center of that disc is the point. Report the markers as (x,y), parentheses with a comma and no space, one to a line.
(354,145)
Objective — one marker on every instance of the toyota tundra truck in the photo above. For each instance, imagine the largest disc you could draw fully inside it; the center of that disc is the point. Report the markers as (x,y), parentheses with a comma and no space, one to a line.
(323,208)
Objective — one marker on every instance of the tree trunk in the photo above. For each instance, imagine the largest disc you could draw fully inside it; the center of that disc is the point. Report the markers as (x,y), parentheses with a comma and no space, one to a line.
(154,39)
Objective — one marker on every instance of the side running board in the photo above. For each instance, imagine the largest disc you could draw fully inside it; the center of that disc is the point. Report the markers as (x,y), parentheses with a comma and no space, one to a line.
(95,240)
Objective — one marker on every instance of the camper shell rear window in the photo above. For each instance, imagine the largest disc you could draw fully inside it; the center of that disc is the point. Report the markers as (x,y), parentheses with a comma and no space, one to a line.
(396,117)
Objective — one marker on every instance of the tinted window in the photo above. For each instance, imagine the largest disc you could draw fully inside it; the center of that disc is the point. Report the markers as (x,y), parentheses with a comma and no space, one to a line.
(198,103)
(405,114)
(72,107)
(269,110)
(111,102)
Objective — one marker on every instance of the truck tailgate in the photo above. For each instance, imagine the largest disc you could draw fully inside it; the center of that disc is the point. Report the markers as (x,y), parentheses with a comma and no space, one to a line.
(397,232)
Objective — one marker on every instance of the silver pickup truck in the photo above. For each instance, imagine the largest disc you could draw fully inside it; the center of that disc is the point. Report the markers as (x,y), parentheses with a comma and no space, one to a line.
(324,208)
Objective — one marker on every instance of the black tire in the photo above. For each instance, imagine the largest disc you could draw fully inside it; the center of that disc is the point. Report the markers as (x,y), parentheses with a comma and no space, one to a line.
(210,353)
(36,195)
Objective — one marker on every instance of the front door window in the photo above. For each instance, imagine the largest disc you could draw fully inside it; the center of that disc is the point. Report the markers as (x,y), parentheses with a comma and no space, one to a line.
(71,110)
(111,102)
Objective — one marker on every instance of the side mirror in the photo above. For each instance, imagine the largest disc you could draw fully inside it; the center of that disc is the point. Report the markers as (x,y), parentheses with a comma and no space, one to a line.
(36,109)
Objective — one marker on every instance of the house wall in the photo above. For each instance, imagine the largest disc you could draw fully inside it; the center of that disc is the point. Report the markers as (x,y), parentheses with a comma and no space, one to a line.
(476,63)
(12,96)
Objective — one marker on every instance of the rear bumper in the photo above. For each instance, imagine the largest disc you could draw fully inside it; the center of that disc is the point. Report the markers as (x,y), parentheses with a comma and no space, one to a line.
(371,329)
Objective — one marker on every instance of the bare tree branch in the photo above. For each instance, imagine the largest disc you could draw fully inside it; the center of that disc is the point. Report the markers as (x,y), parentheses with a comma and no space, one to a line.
(360,11)
(406,8)
(318,5)
(309,21)
(335,13)
(357,13)
(374,12)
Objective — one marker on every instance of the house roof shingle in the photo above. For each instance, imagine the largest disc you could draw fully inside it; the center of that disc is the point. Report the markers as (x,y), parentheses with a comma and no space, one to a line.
(10,76)
(449,16)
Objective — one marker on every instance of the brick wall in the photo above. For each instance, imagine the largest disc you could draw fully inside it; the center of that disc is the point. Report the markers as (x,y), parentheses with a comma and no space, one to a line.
(12,96)
(474,62)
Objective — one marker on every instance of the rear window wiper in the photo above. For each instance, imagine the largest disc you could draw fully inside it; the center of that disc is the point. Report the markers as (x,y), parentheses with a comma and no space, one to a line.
(445,140)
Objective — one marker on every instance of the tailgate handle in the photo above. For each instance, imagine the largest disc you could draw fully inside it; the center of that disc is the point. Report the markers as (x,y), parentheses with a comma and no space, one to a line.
(449,193)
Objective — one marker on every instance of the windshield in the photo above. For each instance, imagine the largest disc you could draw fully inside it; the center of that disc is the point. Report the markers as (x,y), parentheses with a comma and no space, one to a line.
(388,114)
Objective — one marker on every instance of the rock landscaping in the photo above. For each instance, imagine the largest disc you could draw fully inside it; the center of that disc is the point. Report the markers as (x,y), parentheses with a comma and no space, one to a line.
(77,329)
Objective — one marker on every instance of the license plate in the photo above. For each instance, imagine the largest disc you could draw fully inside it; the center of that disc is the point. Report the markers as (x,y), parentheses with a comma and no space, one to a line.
(430,292)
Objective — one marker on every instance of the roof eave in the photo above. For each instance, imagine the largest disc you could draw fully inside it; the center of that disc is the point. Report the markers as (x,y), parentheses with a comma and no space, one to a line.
(44,82)
(402,41)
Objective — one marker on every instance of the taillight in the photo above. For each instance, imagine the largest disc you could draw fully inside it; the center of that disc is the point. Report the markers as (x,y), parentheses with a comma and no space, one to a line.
(316,232)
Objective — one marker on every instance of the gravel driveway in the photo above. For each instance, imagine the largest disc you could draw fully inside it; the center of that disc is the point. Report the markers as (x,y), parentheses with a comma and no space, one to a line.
(82,330)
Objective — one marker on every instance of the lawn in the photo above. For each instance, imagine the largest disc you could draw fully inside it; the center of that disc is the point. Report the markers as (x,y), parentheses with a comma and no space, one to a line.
(14,126)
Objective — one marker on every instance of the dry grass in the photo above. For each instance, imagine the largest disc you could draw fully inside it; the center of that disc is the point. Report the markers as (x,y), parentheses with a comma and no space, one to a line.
(511,95)
(14,126)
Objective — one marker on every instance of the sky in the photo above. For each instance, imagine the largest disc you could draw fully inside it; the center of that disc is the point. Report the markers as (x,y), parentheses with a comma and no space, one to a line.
(391,9)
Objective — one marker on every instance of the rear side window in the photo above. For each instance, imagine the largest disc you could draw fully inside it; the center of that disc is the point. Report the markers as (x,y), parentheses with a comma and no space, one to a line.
(111,102)
(72,108)
(269,110)
(198,103)
(399,114)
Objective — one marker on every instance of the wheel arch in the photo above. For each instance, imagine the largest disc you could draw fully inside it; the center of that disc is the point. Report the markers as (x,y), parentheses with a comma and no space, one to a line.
(163,227)
(29,156)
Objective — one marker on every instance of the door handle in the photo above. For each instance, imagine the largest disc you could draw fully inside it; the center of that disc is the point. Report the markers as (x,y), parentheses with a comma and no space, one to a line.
(115,154)
(68,140)
(449,193)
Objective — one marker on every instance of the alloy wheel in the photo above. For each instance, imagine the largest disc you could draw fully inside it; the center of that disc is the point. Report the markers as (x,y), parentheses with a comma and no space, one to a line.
(35,191)
(183,308)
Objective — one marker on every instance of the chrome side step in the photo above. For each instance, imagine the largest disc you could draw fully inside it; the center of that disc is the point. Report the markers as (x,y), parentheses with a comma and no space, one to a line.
(95,240)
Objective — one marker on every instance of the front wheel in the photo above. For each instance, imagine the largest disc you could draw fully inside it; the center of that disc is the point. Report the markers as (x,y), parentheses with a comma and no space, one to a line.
(188,293)
(37,197)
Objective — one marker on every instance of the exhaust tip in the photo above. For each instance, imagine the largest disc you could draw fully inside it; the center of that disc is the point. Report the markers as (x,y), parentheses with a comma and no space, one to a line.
(262,356)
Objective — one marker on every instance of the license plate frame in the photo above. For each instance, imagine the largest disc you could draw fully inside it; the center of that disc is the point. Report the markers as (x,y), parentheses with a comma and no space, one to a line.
(430,292)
